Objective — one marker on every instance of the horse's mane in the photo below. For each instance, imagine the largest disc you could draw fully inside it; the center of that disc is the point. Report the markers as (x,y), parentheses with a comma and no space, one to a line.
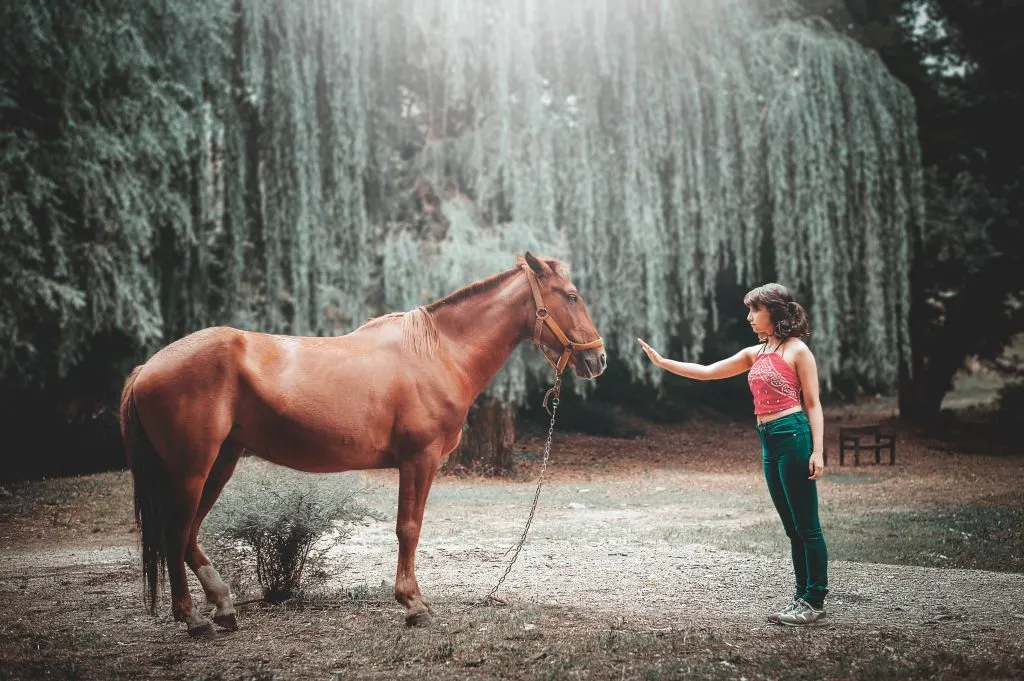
(419,329)
(473,289)
(490,282)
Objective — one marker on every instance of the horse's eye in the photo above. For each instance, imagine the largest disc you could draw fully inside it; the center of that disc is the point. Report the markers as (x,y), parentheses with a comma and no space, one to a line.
(573,298)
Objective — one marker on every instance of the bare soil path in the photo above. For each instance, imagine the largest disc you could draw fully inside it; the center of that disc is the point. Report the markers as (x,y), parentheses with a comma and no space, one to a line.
(650,558)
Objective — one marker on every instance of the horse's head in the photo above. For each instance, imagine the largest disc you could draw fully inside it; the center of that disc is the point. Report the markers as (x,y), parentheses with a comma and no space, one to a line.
(563,328)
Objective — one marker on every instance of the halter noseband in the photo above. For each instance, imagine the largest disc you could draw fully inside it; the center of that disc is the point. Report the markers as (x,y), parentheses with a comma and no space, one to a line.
(568,346)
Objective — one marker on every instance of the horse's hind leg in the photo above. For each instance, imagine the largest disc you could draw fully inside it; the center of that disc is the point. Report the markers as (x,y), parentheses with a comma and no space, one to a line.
(192,454)
(217,591)
(186,492)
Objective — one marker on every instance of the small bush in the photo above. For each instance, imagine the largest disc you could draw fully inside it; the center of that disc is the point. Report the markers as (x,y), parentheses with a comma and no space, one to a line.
(279,525)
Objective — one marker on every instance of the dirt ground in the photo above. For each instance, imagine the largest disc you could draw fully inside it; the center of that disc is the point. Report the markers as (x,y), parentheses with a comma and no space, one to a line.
(649,558)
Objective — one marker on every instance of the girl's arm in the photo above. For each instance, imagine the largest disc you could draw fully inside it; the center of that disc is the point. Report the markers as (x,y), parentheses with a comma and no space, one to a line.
(725,368)
(807,370)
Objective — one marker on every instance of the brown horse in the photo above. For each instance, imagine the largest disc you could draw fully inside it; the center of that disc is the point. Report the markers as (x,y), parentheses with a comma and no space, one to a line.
(394,393)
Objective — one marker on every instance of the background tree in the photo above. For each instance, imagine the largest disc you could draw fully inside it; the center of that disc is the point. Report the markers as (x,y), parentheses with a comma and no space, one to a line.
(101,105)
(173,165)
(958,59)
(973,295)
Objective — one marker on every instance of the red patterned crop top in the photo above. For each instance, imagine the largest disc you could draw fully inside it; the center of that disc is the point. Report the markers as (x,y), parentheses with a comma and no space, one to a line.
(773,383)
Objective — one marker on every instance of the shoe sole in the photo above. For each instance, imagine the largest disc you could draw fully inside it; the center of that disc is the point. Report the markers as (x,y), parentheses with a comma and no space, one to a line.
(774,618)
(808,625)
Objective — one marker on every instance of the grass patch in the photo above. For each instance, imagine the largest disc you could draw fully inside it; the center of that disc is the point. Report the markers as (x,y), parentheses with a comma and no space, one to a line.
(969,537)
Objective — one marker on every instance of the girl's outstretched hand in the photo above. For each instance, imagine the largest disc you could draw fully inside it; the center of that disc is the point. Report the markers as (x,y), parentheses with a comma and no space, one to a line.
(652,354)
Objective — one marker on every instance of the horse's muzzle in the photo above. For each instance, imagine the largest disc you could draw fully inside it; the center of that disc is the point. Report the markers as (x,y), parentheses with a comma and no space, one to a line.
(591,363)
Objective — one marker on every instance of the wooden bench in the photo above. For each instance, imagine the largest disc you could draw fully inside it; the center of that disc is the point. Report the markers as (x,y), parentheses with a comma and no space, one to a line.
(866,438)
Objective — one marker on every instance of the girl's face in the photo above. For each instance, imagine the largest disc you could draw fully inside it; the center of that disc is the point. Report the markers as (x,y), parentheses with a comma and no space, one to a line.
(760,321)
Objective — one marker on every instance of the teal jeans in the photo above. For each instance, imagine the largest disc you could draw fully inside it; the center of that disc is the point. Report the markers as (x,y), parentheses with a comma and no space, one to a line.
(786,449)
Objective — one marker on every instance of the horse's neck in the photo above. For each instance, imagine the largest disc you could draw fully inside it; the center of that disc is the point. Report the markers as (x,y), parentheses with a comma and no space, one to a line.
(481,331)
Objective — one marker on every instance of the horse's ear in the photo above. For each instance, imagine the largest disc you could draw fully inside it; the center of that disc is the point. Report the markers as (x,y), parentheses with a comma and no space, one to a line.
(539,268)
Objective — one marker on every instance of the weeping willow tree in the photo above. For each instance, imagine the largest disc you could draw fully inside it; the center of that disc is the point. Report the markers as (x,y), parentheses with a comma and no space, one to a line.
(272,142)
(672,144)
(302,160)
(172,165)
(166,166)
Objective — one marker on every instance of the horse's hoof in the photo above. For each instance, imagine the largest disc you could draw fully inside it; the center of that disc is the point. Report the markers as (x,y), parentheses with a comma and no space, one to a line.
(204,630)
(418,619)
(229,622)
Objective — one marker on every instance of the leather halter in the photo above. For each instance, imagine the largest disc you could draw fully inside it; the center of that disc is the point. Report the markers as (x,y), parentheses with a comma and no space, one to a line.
(543,317)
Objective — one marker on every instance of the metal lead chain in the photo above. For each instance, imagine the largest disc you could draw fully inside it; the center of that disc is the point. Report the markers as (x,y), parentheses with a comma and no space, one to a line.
(536,497)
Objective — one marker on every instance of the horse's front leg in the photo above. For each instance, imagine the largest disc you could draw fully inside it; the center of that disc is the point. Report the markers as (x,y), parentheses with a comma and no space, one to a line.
(414,479)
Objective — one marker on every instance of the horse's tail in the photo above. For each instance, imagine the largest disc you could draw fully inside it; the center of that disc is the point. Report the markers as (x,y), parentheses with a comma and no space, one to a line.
(151,491)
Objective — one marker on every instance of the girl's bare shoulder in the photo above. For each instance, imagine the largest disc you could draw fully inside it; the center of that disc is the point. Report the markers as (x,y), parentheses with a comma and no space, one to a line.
(798,348)
(753,351)
(797,343)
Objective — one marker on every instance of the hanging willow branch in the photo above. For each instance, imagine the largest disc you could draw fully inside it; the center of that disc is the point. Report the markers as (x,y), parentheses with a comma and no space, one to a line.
(668,144)
(256,167)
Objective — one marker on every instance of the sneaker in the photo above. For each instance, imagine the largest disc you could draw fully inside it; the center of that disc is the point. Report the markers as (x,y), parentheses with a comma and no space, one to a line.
(803,615)
(774,617)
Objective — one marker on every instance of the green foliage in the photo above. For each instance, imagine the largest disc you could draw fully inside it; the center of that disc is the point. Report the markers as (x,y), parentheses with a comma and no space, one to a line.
(99,104)
(280,526)
(958,59)
(959,250)
(848,249)
(171,165)
(672,147)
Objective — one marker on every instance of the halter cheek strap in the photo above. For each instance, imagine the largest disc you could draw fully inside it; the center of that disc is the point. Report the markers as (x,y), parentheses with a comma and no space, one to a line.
(543,317)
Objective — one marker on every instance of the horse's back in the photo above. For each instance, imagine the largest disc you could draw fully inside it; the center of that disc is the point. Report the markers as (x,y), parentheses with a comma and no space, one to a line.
(366,397)
(314,403)
(211,353)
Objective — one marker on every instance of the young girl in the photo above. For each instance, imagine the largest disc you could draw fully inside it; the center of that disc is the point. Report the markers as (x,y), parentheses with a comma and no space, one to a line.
(782,370)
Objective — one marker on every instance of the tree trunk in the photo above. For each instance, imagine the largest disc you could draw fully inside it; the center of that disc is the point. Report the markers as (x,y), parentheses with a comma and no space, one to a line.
(975,321)
(917,402)
(920,399)
(936,357)
(487,441)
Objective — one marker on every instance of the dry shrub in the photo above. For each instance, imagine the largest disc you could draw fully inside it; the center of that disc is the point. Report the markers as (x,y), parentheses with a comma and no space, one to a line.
(279,525)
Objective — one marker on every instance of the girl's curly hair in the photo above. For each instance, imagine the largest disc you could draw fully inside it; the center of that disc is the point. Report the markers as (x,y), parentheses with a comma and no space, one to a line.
(788,316)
